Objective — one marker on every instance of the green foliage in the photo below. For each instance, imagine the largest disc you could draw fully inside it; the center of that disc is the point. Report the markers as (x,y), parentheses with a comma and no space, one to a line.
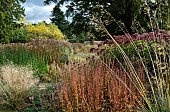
(44,31)
(154,15)
(38,56)
(134,50)
(45,100)
(118,16)
(79,38)
(58,18)
(19,35)
(21,55)
(10,11)
(66,52)
(82,11)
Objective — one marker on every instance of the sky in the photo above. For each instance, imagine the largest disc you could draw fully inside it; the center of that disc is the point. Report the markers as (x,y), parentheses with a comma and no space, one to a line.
(36,11)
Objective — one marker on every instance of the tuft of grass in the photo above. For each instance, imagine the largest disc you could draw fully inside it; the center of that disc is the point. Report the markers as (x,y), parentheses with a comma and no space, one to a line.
(15,84)
(95,87)
(38,53)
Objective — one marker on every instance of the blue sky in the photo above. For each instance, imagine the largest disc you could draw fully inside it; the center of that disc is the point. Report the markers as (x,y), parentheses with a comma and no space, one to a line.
(36,11)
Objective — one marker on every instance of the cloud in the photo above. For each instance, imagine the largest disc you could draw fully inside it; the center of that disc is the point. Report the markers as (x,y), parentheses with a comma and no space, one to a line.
(36,11)
(36,2)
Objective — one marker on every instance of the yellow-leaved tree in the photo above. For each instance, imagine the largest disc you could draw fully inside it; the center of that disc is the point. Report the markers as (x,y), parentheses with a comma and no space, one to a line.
(44,31)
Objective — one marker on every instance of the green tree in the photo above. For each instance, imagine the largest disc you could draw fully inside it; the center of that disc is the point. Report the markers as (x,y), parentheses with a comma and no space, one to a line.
(162,15)
(58,18)
(121,13)
(82,10)
(154,14)
(10,12)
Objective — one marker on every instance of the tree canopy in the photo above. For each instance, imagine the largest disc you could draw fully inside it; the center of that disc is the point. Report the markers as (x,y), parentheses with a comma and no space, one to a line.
(10,12)
(130,15)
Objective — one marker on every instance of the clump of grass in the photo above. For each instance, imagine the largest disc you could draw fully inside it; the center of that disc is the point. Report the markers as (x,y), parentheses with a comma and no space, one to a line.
(94,87)
(38,53)
(15,84)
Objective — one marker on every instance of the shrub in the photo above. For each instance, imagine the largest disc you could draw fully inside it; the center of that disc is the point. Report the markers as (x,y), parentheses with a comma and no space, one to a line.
(20,36)
(44,31)
(15,83)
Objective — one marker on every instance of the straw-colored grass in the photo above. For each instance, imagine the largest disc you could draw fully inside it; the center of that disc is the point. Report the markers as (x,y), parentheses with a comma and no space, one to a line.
(15,83)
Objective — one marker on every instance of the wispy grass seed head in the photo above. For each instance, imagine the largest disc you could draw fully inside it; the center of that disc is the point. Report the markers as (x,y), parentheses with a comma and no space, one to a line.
(16,77)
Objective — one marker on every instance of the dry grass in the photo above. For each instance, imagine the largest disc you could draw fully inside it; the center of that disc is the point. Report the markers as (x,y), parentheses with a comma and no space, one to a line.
(15,83)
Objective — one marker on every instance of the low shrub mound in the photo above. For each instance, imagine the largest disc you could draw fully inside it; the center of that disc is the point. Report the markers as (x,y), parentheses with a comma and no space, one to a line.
(19,35)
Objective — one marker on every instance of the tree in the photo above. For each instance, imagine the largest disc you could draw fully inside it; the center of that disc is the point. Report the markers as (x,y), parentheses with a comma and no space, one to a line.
(58,19)
(155,14)
(121,13)
(10,12)
(82,10)
(162,13)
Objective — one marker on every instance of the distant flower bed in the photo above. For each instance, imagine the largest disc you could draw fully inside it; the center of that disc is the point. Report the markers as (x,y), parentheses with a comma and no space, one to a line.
(127,39)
